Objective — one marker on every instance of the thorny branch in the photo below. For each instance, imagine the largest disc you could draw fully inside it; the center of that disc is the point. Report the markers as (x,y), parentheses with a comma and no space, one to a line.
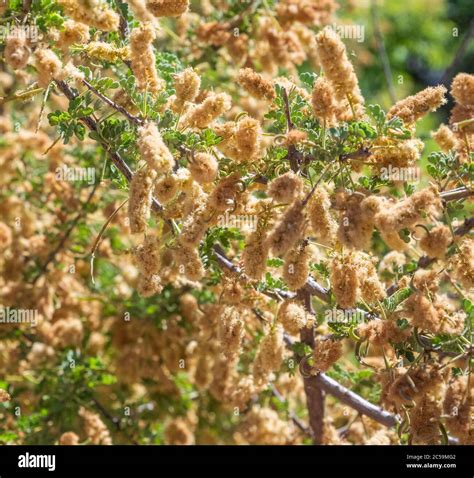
(120,109)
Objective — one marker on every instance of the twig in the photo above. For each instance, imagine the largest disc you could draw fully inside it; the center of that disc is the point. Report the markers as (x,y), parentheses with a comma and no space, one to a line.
(382,51)
(455,194)
(132,118)
(299,423)
(294,157)
(115,421)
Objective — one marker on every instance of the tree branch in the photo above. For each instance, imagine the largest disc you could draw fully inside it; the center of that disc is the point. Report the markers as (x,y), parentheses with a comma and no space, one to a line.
(120,164)
(314,393)
(120,109)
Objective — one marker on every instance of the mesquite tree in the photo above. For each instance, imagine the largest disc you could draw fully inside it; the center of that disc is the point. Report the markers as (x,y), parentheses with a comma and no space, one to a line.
(209,235)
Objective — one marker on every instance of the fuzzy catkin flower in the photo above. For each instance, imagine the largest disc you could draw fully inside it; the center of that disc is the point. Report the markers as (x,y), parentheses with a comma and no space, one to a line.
(292,316)
(139,205)
(241,392)
(435,243)
(356,221)
(73,33)
(381,332)
(285,47)
(166,188)
(263,426)
(445,138)
(93,13)
(48,66)
(201,116)
(197,223)
(140,10)
(463,263)
(295,137)
(426,281)
(178,432)
(4,396)
(69,438)
(326,353)
(414,107)
(227,145)
(67,333)
(400,154)
(422,313)
(462,89)
(269,355)
(167,8)
(17,52)
(324,103)
(255,254)
(147,256)
(288,230)
(153,149)
(344,280)
(238,48)
(224,195)
(248,138)
(424,421)
(214,33)
(371,289)
(323,225)
(307,12)
(143,59)
(149,285)
(296,266)
(339,70)
(188,262)
(457,407)
(392,219)
(286,188)
(94,427)
(5,236)
(231,332)
(256,85)
(187,85)
(392,262)
(203,168)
